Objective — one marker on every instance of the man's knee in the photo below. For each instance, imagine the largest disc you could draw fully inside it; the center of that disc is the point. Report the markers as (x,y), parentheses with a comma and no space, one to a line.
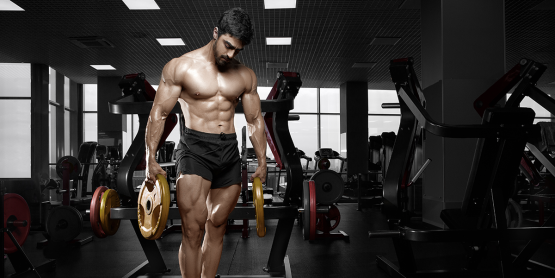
(193,229)
(218,219)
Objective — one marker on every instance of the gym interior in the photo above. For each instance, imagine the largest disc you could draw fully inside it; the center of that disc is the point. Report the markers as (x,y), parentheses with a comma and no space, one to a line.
(406,138)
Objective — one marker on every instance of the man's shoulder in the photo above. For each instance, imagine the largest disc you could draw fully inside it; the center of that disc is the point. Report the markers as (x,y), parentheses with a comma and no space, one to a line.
(242,68)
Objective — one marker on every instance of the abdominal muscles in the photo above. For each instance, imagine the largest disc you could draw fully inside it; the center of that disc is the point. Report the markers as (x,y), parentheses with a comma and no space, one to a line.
(210,115)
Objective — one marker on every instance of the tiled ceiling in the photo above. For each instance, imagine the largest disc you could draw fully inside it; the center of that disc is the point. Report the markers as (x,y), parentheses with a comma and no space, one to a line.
(328,36)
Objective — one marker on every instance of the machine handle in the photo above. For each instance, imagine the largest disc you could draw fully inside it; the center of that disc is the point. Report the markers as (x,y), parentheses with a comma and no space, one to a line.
(419,173)
(384,233)
(390,105)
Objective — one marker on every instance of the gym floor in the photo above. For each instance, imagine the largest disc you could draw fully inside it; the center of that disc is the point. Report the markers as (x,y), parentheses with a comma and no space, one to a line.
(115,256)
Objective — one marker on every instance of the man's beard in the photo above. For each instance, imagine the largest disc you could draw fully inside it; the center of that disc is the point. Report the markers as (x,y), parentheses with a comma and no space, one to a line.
(218,58)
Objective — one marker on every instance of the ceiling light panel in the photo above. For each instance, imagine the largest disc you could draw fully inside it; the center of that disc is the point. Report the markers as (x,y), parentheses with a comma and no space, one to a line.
(141,4)
(7,5)
(280,4)
(103,67)
(278,41)
(170,41)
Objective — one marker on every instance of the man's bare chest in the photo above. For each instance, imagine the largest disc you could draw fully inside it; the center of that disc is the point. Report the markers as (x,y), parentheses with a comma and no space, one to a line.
(202,83)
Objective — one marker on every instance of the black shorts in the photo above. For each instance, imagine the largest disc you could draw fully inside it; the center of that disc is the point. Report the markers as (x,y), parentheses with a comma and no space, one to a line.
(215,157)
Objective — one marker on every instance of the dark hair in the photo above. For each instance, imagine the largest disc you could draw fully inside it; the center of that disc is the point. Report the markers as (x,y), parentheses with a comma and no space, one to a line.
(237,23)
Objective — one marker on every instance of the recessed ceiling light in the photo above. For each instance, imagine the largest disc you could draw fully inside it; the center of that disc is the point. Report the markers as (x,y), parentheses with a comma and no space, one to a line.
(7,5)
(170,41)
(276,65)
(364,65)
(141,4)
(278,41)
(280,4)
(103,67)
(384,41)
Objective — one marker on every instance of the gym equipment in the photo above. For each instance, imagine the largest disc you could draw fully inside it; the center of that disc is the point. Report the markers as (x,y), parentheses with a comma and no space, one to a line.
(95,212)
(136,87)
(322,158)
(309,211)
(71,164)
(110,199)
(283,94)
(16,223)
(64,223)
(259,206)
(527,72)
(100,176)
(17,218)
(329,186)
(501,139)
(324,221)
(86,158)
(153,209)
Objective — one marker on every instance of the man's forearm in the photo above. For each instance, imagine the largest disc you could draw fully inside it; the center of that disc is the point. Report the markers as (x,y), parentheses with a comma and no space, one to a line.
(258,140)
(154,130)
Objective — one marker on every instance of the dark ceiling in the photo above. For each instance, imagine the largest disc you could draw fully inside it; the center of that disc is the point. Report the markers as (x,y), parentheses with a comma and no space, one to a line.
(328,36)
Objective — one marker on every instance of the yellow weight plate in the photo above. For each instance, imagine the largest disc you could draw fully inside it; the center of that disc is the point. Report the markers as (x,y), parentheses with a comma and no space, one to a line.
(110,199)
(258,196)
(153,208)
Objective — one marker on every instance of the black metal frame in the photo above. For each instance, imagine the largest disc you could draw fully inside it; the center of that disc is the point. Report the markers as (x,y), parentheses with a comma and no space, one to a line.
(288,86)
(502,137)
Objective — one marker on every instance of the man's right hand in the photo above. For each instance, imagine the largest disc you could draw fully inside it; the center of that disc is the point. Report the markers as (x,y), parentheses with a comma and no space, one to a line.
(153,168)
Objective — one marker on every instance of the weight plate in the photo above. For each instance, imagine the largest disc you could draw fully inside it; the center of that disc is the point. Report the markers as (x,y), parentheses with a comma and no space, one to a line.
(328,221)
(324,164)
(258,196)
(153,208)
(306,211)
(95,211)
(64,223)
(110,199)
(311,186)
(15,208)
(329,186)
(72,164)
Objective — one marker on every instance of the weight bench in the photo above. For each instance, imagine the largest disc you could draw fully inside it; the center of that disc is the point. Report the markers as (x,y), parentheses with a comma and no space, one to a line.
(502,137)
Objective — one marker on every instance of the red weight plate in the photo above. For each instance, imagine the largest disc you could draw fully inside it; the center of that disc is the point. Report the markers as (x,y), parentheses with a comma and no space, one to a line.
(333,215)
(15,208)
(95,211)
(312,189)
(324,164)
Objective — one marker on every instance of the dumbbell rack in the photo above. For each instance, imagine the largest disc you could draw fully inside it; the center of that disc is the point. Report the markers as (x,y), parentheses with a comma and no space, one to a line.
(287,87)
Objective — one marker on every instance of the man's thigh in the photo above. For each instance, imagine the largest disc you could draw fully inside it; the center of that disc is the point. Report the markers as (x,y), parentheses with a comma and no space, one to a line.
(221,202)
(191,195)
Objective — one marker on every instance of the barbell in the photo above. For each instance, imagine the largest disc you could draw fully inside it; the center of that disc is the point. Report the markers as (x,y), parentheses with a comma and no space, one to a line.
(153,209)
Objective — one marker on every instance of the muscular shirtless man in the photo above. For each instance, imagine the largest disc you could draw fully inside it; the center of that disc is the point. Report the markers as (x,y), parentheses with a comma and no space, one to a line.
(208,82)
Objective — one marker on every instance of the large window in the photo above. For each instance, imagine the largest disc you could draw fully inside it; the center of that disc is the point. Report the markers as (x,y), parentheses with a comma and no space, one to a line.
(15,120)
(90,119)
